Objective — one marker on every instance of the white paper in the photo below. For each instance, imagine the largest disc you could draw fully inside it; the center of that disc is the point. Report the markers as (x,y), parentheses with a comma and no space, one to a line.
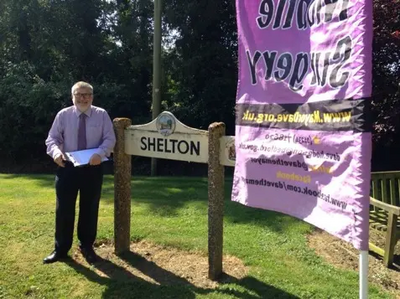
(79,158)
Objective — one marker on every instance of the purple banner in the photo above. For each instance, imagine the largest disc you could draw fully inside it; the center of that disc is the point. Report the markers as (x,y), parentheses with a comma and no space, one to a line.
(303,127)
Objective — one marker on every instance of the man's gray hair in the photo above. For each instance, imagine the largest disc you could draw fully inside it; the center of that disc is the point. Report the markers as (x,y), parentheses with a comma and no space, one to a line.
(81,84)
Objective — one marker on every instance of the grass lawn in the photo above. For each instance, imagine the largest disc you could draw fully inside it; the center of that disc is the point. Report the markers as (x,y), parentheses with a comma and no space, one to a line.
(169,212)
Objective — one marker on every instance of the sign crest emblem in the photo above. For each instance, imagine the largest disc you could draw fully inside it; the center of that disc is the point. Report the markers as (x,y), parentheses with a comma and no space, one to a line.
(166,124)
(230,150)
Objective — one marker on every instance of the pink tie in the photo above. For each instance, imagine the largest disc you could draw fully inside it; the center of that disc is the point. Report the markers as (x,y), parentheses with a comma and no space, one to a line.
(82,132)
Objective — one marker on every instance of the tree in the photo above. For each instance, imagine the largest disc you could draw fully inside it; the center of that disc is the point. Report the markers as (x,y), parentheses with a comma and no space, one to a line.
(46,46)
(386,82)
(202,67)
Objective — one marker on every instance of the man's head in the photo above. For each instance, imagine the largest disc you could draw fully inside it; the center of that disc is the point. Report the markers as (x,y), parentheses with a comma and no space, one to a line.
(82,95)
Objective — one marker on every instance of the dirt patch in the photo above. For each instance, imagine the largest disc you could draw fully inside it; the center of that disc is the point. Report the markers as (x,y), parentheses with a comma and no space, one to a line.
(169,266)
(160,265)
(341,254)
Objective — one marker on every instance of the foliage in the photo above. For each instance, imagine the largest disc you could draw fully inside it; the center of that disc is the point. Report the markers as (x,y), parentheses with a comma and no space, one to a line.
(387,66)
(47,45)
(386,81)
(204,61)
(28,104)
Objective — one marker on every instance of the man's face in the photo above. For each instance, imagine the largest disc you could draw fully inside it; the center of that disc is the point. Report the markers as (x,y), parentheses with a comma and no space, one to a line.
(82,98)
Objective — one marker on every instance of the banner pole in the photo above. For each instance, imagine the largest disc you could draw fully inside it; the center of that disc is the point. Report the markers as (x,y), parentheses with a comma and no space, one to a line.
(363,274)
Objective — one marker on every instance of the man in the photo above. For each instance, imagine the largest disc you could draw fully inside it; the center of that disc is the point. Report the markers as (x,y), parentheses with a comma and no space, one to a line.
(78,127)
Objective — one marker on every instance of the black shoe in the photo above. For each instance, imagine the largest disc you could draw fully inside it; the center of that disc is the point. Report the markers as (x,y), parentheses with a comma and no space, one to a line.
(89,254)
(54,257)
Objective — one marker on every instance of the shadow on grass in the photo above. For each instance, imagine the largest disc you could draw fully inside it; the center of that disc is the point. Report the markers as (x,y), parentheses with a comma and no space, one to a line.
(160,275)
(396,262)
(120,283)
(42,180)
(395,266)
(165,196)
(253,285)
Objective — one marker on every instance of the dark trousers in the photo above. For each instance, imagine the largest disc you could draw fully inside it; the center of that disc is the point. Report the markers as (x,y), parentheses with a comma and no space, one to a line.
(88,181)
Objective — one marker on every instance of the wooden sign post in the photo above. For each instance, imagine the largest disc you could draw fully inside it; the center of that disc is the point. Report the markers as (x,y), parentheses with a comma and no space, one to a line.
(167,138)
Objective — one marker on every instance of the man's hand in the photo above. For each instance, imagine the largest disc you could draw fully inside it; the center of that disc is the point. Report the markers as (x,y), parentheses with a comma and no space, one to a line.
(60,160)
(95,159)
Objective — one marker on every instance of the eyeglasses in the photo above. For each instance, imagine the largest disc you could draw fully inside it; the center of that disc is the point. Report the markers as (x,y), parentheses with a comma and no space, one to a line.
(85,95)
